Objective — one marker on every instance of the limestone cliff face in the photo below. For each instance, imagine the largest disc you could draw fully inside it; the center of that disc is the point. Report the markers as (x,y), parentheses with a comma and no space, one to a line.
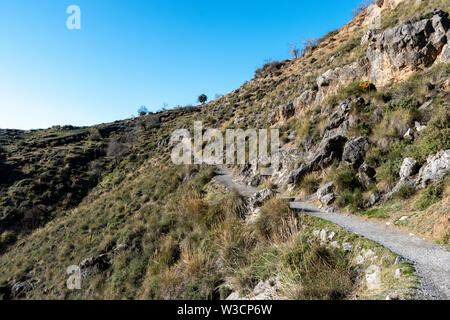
(393,55)
(409,47)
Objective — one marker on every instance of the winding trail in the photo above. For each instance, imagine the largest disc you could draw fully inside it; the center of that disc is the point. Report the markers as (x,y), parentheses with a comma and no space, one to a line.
(432,262)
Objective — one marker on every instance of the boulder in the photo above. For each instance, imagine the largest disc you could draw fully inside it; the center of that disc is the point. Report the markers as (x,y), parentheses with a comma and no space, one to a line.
(373,278)
(355,151)
(328,199)
(366,175)
(419,127)
(328,150)
(325,189)
(373,199)
(409,168)
(296,176)
(325,194)
(435,169)
(323,235)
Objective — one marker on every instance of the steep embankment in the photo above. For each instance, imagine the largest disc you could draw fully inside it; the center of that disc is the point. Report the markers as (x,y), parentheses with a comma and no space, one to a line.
(432,262)
(363,113)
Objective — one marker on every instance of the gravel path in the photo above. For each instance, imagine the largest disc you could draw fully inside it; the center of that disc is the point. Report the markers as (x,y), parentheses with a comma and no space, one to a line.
(432,262)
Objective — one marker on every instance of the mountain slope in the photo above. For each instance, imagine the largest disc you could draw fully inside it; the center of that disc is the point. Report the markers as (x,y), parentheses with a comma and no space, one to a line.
(109,199)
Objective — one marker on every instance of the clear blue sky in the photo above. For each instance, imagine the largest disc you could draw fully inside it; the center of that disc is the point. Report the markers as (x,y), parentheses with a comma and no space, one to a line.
(134,52)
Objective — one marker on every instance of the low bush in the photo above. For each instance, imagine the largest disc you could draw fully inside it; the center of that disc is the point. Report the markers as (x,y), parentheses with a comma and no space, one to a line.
(277,221)
(314,272)
(429,196)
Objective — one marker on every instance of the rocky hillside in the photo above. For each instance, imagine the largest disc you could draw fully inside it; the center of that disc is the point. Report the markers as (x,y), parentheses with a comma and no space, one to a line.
(364,122)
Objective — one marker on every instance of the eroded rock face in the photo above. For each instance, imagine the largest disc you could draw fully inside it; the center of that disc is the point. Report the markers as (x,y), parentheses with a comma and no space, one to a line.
(355,150)
(282,113)
(434,171)
(295,176)
(339,116)
(304,100)
(411,46)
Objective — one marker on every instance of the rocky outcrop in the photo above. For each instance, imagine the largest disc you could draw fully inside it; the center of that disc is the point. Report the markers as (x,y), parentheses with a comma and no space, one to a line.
(411,46)
(282,113)
(409,168)
(304,100)
(366,175)
(435,169)
(355,151)
(339,116)
(264,290)
(334,79)
(295,176)
(392,55)
(328,150)
(92,265)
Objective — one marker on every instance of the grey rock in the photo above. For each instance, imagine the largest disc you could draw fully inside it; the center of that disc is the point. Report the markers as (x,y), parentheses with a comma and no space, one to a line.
(435,169)
(412,45)
(282,113)
(323,235)
(20,289)
(258,198)
(339,116)
(305,99)
(377,115)
(409,168)
(419,127)
(409,134)
(373,277)
(373,199)
(366,175)
(328,150)
(325,189)
(328,199)
(426,105)
(355,151)
(347,246)
(94,264)
(297,175)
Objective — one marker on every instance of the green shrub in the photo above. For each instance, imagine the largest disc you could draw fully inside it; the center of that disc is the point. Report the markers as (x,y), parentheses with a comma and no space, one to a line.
(345,178)
(429,196)
(310,184)
(405,192)
(276,221)
(7,238)
(353,199)
(314,272)
(434,138)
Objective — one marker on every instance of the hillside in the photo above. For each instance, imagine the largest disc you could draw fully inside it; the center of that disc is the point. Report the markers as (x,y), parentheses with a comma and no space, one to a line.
(364,123)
